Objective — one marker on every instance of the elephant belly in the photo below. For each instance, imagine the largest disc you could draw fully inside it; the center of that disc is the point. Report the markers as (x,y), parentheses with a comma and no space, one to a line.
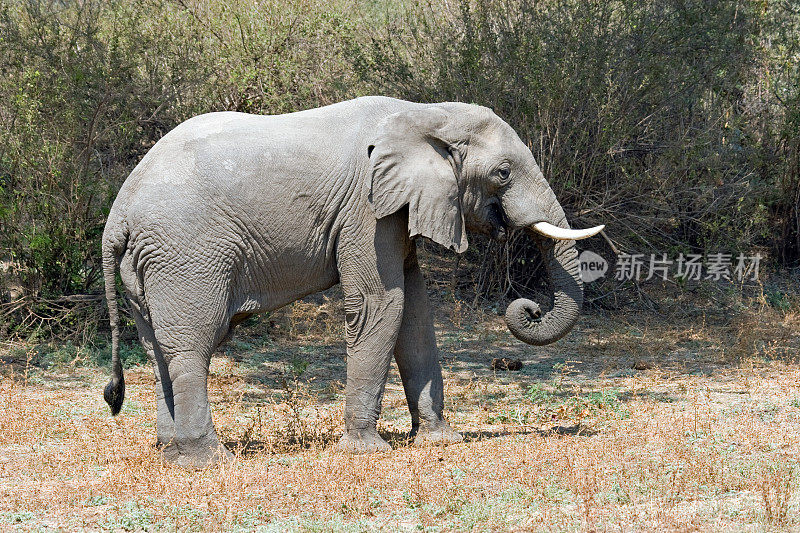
(266,287)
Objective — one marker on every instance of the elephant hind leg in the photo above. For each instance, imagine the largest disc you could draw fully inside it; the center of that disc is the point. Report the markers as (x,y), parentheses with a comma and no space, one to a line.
(165,414)
(194,442)
(188,313)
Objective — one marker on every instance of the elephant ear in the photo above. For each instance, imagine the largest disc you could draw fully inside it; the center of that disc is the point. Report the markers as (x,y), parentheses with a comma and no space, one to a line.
(413,165)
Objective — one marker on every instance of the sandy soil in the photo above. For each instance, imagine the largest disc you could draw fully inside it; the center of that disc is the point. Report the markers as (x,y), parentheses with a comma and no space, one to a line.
(635,421)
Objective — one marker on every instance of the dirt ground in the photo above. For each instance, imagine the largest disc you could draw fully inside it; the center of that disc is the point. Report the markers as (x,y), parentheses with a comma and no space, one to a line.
(640,420)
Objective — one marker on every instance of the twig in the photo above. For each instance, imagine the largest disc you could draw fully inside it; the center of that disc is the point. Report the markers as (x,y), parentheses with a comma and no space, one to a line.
(610,243)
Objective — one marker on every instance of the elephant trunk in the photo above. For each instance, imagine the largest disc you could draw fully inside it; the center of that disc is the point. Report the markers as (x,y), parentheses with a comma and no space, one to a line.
(524,317)
(556,241)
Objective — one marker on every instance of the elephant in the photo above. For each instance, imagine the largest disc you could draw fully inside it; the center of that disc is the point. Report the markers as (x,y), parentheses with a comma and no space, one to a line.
(232,214)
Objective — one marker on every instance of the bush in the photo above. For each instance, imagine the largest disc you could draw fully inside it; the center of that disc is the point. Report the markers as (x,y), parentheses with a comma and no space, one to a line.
(641,114)
(88,87)
(675,123)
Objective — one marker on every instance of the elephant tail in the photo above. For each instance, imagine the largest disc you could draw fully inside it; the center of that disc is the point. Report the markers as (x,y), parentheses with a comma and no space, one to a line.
(114,241)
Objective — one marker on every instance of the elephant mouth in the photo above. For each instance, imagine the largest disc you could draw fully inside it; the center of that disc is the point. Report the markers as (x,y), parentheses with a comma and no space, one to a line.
(498,222)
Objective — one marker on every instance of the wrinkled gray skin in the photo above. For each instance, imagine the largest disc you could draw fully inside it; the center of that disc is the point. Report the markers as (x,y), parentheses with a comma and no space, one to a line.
(233,214)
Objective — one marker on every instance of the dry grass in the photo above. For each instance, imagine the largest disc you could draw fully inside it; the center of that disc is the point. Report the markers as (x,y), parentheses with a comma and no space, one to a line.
(707,438)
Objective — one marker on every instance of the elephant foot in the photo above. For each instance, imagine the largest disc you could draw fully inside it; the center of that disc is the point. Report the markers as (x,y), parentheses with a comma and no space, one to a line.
(362,441)
(439,434)
(196,454)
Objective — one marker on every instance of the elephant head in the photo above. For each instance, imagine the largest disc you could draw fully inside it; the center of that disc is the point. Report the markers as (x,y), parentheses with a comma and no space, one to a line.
(458,167)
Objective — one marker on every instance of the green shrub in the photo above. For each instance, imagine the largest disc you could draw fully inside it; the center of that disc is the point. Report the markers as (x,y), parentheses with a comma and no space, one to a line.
(675,123)
(88,87)
(650,117)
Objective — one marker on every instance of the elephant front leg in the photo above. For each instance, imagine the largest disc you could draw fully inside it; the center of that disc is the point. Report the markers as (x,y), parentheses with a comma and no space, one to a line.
(370,265)
(418,361)
(372,325)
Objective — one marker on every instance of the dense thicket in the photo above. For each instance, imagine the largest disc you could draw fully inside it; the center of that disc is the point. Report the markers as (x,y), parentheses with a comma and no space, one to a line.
(674,122)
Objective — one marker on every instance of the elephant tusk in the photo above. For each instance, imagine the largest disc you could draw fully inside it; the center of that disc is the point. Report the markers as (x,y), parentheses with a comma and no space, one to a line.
(554,232)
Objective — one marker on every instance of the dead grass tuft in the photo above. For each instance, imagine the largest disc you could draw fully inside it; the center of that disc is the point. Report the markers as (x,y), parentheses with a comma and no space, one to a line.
(311,319)
(776,479)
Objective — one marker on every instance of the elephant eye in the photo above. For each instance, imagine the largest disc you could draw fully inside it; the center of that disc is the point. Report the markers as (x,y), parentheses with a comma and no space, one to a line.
(504,174)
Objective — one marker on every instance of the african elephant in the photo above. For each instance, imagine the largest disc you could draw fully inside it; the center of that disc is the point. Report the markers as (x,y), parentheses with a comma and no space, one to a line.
(233,214)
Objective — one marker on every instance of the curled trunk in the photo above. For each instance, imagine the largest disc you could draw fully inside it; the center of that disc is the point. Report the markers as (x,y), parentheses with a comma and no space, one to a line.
(524,318)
